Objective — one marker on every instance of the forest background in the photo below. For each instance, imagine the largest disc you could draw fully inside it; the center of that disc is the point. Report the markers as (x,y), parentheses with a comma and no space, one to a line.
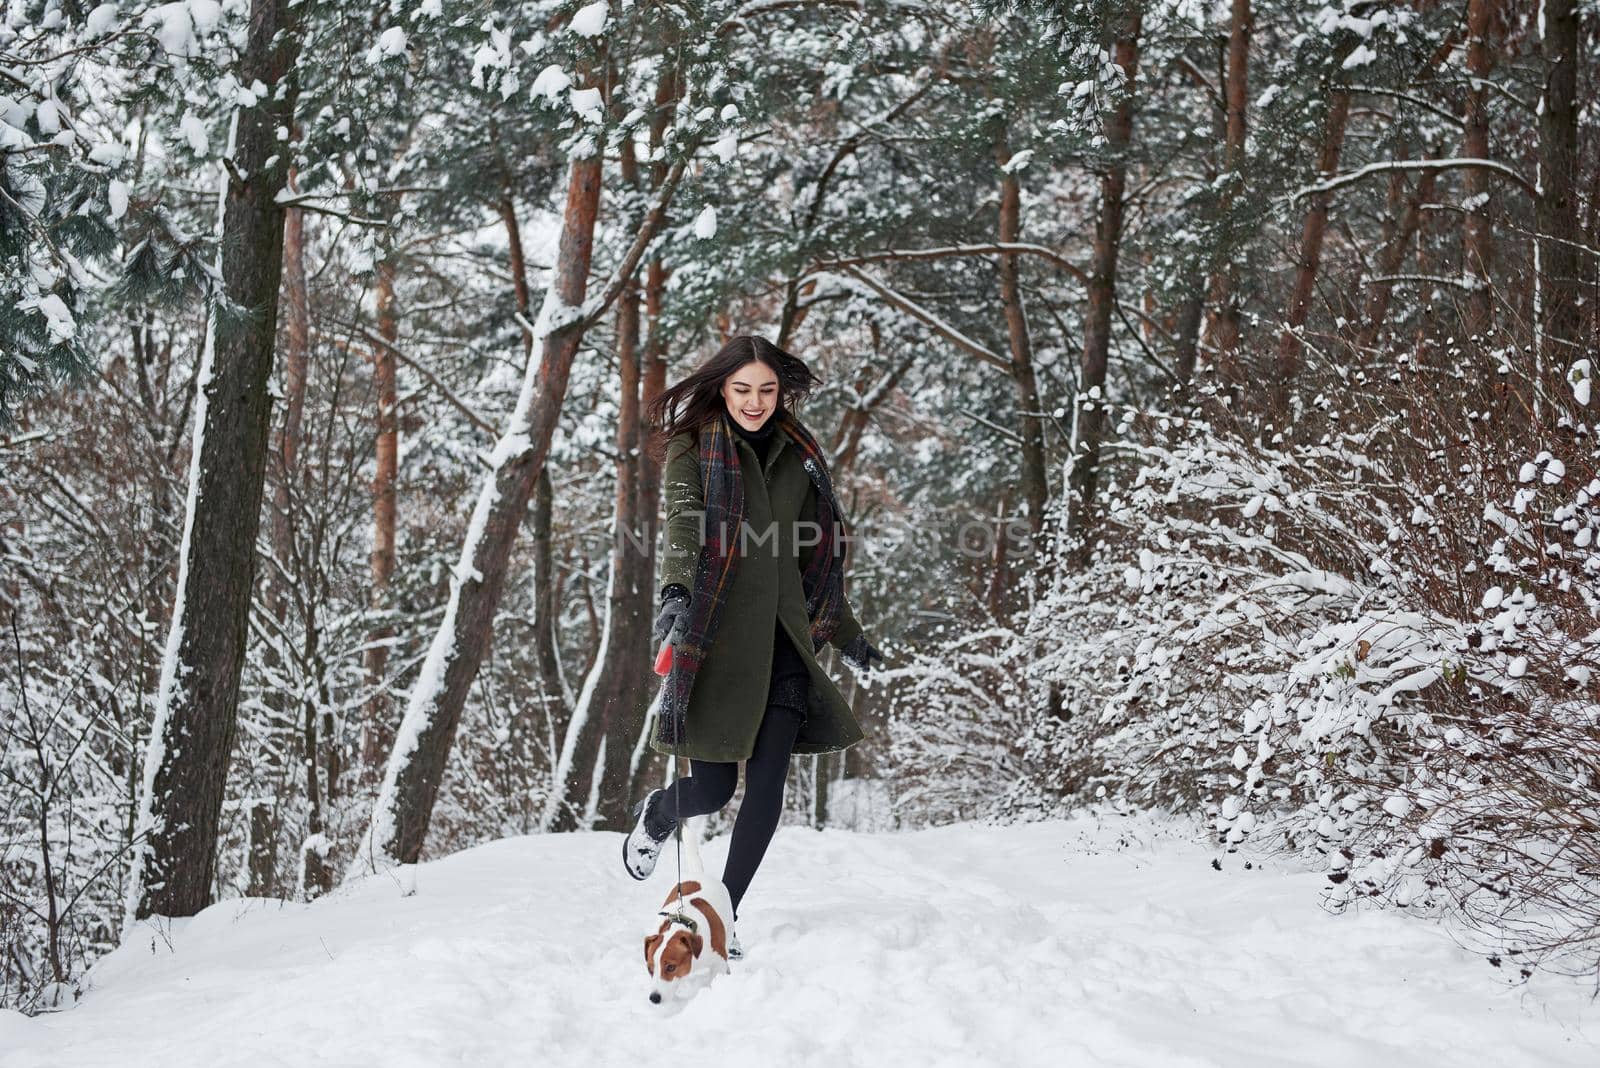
(1210,383)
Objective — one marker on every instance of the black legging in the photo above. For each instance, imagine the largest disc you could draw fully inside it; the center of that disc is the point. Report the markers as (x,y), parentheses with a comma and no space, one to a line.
(711,786)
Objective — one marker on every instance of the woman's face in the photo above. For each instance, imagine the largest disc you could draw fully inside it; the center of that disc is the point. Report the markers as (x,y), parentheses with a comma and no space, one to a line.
(751,394)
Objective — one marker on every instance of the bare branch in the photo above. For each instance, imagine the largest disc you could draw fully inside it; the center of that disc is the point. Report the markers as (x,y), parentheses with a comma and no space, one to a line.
(987,248)
(1339,181)
(931,320)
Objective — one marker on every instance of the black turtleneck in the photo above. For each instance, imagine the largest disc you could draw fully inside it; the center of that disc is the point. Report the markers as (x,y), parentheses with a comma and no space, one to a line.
(760,440)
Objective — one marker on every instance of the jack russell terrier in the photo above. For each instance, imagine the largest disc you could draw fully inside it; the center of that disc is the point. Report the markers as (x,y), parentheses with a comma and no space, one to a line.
(691,945)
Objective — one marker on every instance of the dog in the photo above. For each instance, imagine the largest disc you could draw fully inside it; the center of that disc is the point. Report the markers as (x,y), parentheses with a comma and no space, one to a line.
(691,944)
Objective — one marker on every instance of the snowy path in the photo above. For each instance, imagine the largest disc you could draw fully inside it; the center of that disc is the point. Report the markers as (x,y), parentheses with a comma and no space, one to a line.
(1029,945)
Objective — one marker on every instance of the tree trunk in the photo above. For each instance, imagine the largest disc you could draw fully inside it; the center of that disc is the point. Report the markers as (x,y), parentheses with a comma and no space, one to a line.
(1477,237)
(553,690)
(622,714)
(1305,277)
(1557,208)
(655,381)
(1223,327)
(669,89)
(1186,334)
(1035,489)
(192,735)
(376,732)
(261,856)
(644,762)
(1191,311)
(544,581)
(1240,26)
(821,776)
(1090,423)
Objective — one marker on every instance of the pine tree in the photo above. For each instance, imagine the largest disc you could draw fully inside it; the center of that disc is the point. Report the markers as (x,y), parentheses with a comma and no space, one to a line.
(60,197)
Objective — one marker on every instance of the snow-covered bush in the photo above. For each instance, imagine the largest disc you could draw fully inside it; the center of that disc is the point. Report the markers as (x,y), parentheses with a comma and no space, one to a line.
(63,809)
(958,712)
(1377,646)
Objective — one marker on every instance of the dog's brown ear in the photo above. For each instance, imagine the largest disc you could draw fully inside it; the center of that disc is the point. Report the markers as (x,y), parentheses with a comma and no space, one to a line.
(696,944)
(650,952)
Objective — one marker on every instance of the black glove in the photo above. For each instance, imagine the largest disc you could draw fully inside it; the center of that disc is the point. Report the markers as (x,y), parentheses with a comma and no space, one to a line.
(672,622)
(859,654)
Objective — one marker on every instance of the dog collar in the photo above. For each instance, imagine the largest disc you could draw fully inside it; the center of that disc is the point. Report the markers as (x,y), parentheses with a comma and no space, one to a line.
(680,917)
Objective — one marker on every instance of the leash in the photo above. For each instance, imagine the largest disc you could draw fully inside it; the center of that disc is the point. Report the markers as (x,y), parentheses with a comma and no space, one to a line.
(680,737)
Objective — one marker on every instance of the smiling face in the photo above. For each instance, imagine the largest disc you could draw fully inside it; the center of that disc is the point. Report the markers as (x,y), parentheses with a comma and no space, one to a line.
(751,394)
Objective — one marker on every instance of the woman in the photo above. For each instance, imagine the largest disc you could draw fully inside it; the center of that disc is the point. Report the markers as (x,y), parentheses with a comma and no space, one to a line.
(752,585)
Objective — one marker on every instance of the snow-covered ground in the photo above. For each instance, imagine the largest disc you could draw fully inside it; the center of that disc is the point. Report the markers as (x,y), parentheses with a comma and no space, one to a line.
(1061,943)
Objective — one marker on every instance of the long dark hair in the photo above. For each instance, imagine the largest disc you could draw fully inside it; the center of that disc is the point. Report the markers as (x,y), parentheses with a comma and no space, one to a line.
(697,399)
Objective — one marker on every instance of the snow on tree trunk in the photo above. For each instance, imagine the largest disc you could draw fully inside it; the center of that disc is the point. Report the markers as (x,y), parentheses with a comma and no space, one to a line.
(411,778)
(192,735)
(544,581)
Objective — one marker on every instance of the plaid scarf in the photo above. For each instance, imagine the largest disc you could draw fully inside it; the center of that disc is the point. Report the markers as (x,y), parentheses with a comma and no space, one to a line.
(822,579)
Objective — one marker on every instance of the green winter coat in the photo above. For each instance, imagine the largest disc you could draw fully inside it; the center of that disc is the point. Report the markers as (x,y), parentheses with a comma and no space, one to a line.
(730,689)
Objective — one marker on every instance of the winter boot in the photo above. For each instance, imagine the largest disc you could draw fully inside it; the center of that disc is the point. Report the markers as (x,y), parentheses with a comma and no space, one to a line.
(650,831)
